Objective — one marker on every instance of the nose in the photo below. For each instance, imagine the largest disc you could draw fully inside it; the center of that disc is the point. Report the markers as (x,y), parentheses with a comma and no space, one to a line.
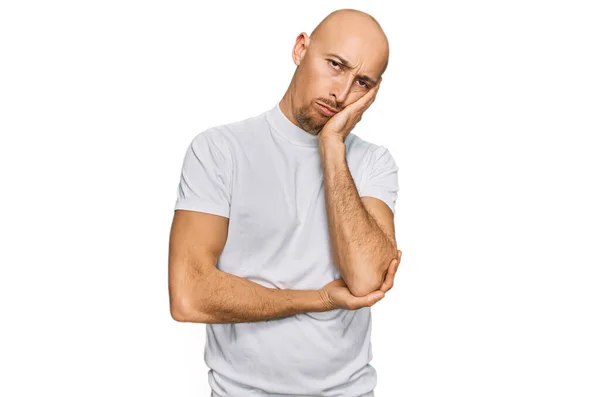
(341,88)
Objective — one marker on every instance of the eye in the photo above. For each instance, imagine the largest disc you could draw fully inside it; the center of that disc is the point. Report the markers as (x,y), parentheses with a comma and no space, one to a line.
(365,85)
(334,63)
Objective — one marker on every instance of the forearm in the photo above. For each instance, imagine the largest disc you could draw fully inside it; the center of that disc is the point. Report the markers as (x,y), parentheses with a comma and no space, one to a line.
(224,298)
(361,250)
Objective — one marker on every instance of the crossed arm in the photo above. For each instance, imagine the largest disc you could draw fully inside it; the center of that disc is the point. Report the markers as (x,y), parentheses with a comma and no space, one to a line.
(201,293)
(361,230)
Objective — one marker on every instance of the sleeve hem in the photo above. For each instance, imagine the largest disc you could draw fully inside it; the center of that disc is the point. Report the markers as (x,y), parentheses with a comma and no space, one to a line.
(379,194)
(202,206)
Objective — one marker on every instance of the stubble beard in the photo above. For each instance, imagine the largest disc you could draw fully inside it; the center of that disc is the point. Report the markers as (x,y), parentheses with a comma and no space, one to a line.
(306,118)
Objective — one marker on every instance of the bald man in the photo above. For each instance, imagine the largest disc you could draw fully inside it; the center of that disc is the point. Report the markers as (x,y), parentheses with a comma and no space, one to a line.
(283,233)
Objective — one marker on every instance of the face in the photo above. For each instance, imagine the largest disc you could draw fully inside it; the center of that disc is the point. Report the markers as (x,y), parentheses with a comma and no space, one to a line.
(334,71)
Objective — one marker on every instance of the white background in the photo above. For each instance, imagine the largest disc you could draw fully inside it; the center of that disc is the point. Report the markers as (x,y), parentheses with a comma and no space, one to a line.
(491,110)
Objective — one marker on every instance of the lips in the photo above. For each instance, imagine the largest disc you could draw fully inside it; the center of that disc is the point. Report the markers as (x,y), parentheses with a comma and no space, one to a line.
(326,110)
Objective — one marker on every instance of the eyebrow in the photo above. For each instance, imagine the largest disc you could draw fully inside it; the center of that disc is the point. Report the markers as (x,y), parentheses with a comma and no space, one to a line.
(347,64)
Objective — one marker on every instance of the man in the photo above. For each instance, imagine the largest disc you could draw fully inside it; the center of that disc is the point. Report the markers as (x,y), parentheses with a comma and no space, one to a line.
(283,233)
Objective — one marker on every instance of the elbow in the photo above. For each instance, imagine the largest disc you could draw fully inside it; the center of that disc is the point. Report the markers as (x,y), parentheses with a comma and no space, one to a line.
(178,315)
(178,304)
(188,304)
(186,316)
(370,280)
(183,311)
(366,284)
(179,312)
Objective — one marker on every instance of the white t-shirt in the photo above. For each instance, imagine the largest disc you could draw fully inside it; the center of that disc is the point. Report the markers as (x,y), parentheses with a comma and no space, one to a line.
(264,173)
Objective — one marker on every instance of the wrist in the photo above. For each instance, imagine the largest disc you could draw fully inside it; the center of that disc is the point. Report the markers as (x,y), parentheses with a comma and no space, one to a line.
(326,302)
(331,144)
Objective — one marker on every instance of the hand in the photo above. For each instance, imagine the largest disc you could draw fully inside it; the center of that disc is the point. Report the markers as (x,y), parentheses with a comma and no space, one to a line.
(390,274)
(341,123)
(336,294)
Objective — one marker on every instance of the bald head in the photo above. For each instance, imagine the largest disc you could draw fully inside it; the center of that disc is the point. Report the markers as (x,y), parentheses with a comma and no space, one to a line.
(355,27)
(345,56)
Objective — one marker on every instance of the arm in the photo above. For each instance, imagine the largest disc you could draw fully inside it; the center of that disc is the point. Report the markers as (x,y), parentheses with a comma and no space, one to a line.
(199,292)
(361,249)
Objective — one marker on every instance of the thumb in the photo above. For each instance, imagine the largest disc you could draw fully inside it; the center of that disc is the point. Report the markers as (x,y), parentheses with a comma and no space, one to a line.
(374,297)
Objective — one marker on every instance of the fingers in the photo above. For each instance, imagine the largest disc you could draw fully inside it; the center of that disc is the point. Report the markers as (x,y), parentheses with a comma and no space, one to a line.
(352,302)
(369,97)
(373,298)
(366,100)
(388,283)
(373,95)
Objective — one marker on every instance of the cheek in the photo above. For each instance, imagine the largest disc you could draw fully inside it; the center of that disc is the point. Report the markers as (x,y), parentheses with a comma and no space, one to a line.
(317,78)
(313,83)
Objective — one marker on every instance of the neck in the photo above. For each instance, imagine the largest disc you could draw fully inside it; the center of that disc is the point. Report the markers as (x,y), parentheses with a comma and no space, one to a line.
(284,123)
(286,105)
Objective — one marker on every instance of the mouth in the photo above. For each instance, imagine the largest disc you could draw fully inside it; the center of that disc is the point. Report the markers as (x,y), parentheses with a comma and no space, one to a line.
(325,110)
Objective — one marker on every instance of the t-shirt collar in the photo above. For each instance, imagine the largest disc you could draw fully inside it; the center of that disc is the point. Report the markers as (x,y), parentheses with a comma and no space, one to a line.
(289,131)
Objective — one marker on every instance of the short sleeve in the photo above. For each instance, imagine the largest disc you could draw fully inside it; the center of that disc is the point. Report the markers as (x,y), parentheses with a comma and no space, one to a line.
(205,182)
(380,179)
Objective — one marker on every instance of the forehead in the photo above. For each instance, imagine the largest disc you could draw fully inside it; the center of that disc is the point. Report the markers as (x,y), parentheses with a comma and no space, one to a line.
(366,52)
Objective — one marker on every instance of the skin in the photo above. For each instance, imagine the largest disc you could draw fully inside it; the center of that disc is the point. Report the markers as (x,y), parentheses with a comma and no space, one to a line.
(201,293)
(361,228)
(320,78)
(336,294)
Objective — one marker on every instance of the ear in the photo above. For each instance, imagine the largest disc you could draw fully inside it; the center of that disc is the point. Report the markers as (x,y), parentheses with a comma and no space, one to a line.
(300,48)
